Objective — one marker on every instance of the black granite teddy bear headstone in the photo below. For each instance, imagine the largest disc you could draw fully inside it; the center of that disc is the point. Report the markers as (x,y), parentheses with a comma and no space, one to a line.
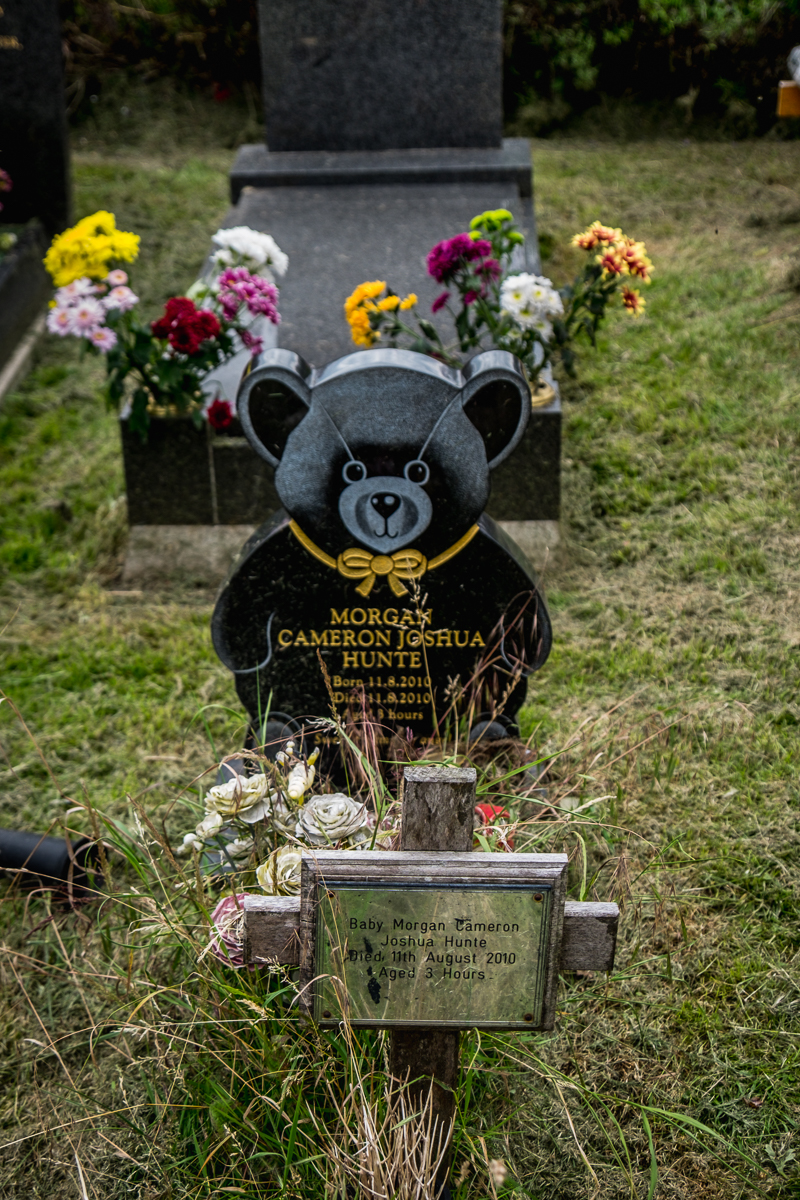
(382,559)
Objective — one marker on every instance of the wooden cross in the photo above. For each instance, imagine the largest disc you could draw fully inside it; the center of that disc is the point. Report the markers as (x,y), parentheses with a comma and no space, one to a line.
(438,806)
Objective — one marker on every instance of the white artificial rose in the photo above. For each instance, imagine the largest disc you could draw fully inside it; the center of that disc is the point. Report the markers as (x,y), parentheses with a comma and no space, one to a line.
(300,780)
(239,850)
(280,874)
(245,797)
(326,820)
(283,818)
(190,842)
(211,823)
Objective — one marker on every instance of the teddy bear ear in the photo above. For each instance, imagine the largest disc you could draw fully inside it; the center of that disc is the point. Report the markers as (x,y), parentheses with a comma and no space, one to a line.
(497,399)
(273,398)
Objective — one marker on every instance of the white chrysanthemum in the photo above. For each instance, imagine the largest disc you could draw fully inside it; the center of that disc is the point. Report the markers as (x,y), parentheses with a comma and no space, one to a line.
(326,820)
(246,247)
(245,797)
(280,874)
(211,823)
(530,300)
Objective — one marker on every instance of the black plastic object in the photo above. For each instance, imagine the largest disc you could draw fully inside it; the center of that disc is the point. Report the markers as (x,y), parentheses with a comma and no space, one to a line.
(48,861)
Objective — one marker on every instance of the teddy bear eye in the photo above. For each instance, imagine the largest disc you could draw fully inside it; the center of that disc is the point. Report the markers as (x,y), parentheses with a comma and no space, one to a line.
(354,471)
(417,471)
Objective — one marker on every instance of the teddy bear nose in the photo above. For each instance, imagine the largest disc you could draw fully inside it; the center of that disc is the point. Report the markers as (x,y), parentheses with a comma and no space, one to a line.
(385,503)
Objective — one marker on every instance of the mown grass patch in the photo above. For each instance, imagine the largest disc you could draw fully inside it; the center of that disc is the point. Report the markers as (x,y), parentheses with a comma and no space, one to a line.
(671,691)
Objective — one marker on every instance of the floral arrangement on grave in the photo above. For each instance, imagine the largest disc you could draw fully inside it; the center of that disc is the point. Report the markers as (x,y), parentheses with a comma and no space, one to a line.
(265,821)
(493,305)
(160,367)
(260,824)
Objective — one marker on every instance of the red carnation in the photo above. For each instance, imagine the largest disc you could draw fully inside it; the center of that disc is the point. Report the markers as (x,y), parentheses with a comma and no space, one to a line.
(184,326)
(220,414)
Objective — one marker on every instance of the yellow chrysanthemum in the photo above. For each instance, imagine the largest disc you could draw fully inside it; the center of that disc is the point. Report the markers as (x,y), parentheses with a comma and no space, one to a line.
(361,331)
(410,300)
(388,303)
(364,291)
(88,248)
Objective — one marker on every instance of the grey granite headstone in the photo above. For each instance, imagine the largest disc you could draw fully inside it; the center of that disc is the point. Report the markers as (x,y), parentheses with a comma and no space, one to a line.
(33,124)
(381,74)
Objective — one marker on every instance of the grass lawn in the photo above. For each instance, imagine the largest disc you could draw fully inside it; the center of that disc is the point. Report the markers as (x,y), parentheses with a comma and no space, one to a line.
(671,692)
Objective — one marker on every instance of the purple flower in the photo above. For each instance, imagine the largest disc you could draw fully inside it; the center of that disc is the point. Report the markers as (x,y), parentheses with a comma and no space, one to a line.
(470,297)
(440,301)
(446,257)
(490,269)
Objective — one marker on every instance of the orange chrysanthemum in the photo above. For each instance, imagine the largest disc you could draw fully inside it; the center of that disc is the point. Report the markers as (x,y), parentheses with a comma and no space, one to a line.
(633,302)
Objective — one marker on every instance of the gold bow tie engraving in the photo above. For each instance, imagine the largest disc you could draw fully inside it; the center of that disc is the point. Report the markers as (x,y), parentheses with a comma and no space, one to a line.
(363,564)
(360,564)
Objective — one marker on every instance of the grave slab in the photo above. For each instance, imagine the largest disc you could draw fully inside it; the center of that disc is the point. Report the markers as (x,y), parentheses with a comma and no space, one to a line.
(256,166)
(338,235)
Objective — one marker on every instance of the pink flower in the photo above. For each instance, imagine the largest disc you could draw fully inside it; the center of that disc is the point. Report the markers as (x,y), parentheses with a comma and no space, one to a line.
(446,257)
(121,298)
(116,278)
(266,306)
(59,320)
(232,275)
(88,315)
(440,301)
(104,339)
(227,940)
(470,297)
(75,290)
(254,344)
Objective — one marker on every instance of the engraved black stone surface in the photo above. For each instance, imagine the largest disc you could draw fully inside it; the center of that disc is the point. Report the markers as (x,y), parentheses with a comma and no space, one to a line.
(527,486)
(33,124)
(344,75)
(383,462)
(187,476)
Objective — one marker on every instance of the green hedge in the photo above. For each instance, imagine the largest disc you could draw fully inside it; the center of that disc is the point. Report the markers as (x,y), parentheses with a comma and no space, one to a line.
(689,60)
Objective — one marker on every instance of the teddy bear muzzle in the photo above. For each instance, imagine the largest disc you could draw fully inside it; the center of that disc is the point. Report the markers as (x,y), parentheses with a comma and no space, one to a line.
(386,512)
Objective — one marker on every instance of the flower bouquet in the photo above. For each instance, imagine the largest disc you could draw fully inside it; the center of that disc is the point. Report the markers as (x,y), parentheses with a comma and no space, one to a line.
(262,823)
(493,305)
(162,368)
